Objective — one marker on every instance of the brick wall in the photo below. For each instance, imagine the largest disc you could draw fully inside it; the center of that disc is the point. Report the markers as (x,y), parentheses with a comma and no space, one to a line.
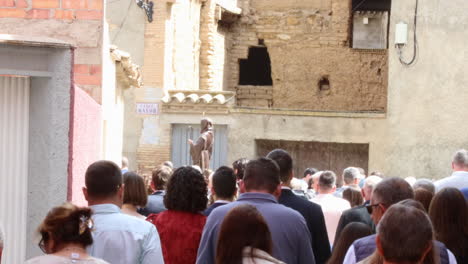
(306,41)
(78,22)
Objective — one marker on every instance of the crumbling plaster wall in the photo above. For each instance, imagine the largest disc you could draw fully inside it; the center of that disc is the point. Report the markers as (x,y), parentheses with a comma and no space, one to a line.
(308,40)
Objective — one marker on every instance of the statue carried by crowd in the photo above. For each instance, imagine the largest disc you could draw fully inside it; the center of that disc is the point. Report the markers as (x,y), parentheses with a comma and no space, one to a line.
(202,148)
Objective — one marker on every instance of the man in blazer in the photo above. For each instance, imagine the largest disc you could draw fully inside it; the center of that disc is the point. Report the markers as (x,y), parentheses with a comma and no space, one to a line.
(311,212)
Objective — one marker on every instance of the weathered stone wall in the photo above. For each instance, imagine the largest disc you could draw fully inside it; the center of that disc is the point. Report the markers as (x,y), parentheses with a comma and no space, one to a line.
(308,40)
(77,22)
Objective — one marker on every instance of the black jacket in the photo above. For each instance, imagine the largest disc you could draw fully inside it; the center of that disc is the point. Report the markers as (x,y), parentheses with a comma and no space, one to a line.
(315,220)
(356,214)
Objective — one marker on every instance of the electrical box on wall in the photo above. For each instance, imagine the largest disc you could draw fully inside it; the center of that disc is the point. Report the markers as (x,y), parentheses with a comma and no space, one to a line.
(401,33)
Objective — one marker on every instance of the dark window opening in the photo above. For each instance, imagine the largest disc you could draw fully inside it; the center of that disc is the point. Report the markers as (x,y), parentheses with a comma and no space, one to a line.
(256,69)
(324,84)
(372,5)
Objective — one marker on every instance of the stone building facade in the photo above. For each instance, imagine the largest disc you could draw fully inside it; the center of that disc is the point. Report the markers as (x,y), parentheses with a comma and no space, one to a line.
(331,82)
(196,51)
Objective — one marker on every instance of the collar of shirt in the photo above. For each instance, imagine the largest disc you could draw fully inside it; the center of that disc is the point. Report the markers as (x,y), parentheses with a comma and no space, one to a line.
(105,209)
(159,192)
(222,201)
(254,195)
(285,188)
(460,173)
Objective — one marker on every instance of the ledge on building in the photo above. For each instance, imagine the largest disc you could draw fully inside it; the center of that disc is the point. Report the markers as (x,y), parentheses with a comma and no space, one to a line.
(290,112)
(33,41)
(190,101)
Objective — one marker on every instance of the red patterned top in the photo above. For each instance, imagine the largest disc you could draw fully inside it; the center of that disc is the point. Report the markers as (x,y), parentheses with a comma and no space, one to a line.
(180,234)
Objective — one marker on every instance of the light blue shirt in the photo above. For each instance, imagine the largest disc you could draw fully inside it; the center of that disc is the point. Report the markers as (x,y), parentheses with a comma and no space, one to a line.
(123,239)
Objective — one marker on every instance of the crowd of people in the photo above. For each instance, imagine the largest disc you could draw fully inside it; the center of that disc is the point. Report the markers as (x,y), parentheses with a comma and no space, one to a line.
(258,211)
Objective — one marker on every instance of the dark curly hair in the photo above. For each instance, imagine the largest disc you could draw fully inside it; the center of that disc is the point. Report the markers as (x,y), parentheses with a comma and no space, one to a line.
(186,191)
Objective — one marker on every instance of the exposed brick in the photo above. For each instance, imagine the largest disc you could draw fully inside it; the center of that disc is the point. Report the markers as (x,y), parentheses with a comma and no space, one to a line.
(75,4)
(88,15)
(64,14)
(95,69)
(22,3)
(95,4)
(45,3)
(38,14)
(81,69)
(7,3)
(9,12)
(84,79)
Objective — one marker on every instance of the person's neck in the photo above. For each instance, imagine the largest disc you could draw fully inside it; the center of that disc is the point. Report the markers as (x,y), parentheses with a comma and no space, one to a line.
(129,207)
(320,191)
(224,199)
(114,201)
(286,184)
(72,248)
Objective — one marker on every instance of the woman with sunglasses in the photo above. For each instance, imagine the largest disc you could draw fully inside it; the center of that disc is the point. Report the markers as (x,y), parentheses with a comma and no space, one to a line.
(65,234)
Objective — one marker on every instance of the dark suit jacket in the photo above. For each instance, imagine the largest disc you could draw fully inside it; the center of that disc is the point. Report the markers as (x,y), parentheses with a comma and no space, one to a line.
(155,204)
(208,210)
(356,214)
(315,220)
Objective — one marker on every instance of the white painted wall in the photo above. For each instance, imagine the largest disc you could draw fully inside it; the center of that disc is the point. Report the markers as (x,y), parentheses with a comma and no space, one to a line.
(14,136)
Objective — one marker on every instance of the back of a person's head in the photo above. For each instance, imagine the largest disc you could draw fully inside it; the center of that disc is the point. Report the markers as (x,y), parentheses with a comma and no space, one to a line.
(224,183)
(424,197)
(310,171)
(404,234)
(460,159)
(449,215)
(103,179)
(239,167)
(262,174)
(413,203)
(327,180)
(353,196)
(352,232)
(124,162)
(135,190)
(186,191)
(160,176)
(168,164)
(426,184)
(243,226)
(67,224)
(284,161)
(392,190)
(350,175)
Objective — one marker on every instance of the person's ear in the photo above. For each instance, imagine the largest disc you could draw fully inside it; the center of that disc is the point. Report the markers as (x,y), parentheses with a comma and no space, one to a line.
(428,249)
(277,192)
(242,186)
(120,192)
(212,191)
(363,193)
(85,193)
(292,175)
(152,186)
(334,188)
(379,245)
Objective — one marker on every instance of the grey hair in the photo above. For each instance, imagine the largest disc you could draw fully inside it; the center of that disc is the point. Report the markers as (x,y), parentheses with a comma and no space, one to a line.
(371,181)
(392,190)
(425,184)
(461,158)
(350,174)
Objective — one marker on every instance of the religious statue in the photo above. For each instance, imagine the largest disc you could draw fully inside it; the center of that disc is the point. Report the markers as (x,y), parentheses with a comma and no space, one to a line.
(202,148)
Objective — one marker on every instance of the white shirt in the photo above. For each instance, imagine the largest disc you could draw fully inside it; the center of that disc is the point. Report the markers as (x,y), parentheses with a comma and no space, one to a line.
(332,208)
(350,257)
(458,179)
(123,239)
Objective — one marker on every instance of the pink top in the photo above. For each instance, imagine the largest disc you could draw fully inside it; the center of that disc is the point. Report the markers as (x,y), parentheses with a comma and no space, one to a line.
(332,208)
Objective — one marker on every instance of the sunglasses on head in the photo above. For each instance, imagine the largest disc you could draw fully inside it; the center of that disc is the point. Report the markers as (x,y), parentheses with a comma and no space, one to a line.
(370,207)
